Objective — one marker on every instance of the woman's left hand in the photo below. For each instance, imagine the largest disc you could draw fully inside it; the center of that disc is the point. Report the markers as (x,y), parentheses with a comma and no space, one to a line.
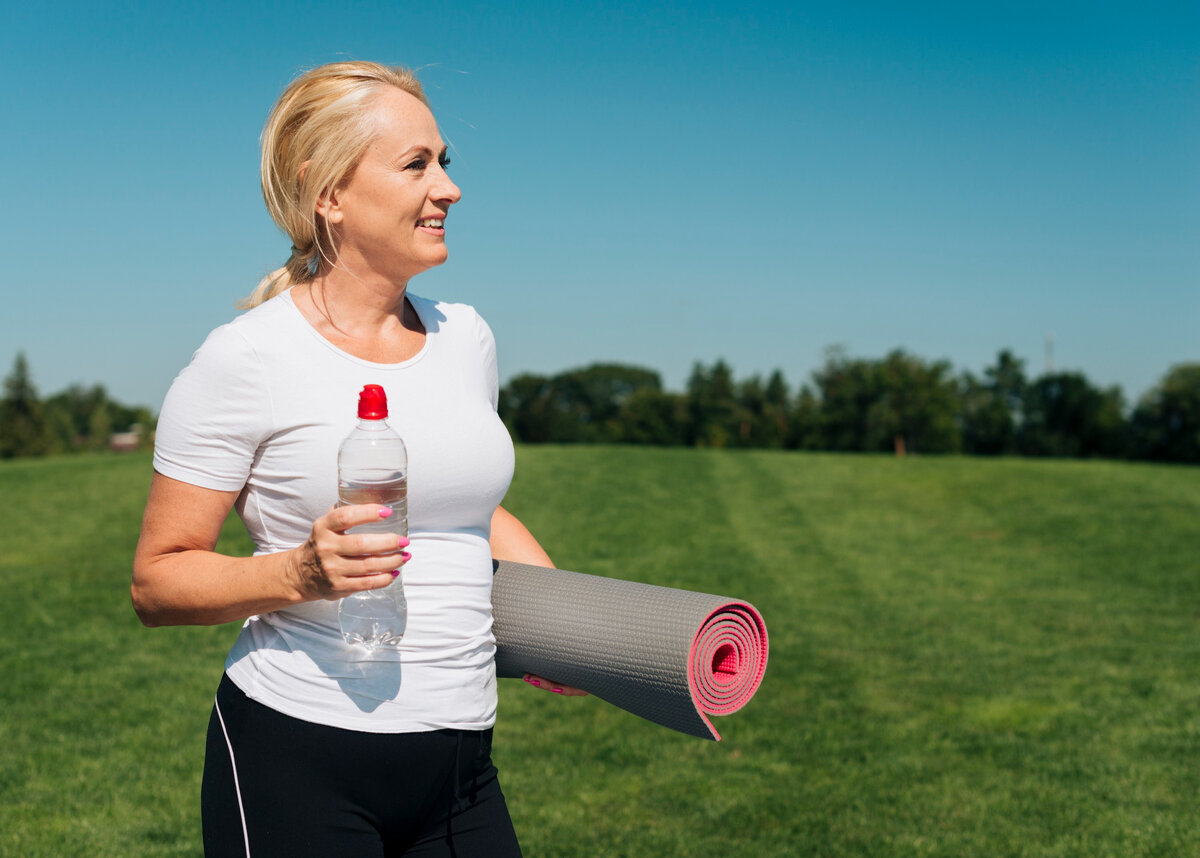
(556,687)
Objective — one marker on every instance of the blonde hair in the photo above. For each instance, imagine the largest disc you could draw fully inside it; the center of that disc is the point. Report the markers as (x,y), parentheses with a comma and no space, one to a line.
(314,138)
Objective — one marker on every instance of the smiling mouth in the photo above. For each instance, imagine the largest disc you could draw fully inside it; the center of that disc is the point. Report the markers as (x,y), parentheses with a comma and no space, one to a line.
(433,223)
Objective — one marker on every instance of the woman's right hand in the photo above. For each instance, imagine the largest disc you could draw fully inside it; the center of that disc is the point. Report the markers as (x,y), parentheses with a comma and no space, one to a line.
(179,578)
(332,563)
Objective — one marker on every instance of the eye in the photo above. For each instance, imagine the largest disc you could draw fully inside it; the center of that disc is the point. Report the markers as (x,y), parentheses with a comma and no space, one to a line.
(444,160)
(418,165)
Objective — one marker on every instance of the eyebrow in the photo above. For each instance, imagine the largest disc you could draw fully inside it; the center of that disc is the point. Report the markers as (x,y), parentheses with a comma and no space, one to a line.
(421,150)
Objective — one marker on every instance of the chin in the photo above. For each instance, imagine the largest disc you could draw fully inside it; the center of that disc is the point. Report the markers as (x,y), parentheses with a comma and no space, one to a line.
(419,266)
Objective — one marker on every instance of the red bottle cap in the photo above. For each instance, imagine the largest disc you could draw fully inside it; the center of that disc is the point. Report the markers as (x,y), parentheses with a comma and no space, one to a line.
(372,403)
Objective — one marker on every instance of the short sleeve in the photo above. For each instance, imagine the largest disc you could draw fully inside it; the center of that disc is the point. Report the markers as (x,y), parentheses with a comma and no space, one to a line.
(487,349)
(215,415)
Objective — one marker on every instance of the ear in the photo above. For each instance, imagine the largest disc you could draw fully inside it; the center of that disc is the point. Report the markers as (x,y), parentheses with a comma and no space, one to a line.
(327,200)
(328,205)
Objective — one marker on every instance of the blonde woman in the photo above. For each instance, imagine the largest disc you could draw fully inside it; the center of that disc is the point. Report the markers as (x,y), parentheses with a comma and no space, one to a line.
(315,747)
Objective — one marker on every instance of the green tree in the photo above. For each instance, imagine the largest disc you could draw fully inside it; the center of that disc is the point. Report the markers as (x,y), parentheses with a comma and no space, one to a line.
(1065,415)
(750,413)
(61,430)
(100,425)
(992,408)
(915,406)
(83,418)
(578,405)
(847,389)
(71,413)
(805,427)
(901,404)
(761,412)
(589,400)
(777,409)
(1166,422)
(654,417)
(144,418)
(524,406)
(24,430)
(712,406)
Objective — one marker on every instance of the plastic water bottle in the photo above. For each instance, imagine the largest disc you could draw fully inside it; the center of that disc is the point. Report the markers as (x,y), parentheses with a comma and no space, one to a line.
(373,468)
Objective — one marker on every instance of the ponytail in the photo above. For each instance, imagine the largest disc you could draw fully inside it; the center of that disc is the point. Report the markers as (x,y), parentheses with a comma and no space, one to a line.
(299,268)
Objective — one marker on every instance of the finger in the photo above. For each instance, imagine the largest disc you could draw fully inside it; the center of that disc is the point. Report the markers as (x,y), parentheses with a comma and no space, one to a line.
(347,554)
(364,567)
(363,583)
(370,544)
(342,518)
(555,687)
(376,581)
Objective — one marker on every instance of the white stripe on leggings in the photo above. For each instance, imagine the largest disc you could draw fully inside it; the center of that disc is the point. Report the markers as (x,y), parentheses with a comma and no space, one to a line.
(237,789)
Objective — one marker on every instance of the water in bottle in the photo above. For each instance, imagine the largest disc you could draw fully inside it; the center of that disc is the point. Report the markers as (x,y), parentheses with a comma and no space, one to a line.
(373,468)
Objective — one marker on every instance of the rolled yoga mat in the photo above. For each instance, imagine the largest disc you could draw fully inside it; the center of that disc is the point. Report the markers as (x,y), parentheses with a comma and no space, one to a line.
(670,656)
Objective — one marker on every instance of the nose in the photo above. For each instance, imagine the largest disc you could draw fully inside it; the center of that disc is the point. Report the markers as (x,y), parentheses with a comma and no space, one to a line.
(444,190)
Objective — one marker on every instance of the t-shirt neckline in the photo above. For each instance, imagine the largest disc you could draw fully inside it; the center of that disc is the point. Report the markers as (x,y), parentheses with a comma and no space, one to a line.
(418,308)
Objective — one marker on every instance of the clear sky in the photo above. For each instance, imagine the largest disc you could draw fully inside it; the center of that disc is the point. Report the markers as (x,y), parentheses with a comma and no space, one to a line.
(645,183)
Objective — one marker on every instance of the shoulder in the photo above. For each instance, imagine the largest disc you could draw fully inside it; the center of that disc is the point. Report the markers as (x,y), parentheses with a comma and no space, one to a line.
(443,311)
(268,321)
(458,317)
(254,335)
(217,410)
(237,359)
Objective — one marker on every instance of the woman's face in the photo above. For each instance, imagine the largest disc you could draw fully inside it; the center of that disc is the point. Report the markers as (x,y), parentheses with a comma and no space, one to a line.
(390,214)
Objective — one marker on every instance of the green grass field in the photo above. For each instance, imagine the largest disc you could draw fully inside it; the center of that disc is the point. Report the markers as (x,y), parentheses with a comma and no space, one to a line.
(968,658)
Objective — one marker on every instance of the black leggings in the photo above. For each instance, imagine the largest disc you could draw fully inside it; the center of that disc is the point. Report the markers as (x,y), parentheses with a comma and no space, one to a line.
(278,786)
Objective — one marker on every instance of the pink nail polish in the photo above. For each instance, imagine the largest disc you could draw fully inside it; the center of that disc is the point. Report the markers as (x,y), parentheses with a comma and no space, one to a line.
(395,573)
(534,682)
(385,512)
(407,557)
(403,543)
(557,690)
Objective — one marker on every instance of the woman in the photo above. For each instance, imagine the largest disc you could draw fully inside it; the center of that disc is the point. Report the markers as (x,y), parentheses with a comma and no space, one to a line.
(316,747)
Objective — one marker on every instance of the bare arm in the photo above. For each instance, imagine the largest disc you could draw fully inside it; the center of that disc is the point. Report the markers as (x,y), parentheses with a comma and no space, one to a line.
(512,541)
(179,580)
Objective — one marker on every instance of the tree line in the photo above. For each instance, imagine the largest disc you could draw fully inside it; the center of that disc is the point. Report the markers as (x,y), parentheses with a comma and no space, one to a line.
(900,403)
(78,419)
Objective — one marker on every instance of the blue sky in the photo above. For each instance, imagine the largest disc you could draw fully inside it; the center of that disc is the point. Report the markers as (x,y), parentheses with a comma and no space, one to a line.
(652,184)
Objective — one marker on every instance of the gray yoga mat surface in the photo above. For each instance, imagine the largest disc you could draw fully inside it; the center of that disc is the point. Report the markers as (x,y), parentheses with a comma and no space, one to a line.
(670,656)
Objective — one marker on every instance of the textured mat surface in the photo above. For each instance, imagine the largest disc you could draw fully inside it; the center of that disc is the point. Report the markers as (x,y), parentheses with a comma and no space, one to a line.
(670,656)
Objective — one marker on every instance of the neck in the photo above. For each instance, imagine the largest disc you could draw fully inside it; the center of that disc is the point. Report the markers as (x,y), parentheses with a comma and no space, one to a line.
(359,306)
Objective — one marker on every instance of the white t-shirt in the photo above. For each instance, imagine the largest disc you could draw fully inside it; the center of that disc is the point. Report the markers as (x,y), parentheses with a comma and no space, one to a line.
(262,409)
